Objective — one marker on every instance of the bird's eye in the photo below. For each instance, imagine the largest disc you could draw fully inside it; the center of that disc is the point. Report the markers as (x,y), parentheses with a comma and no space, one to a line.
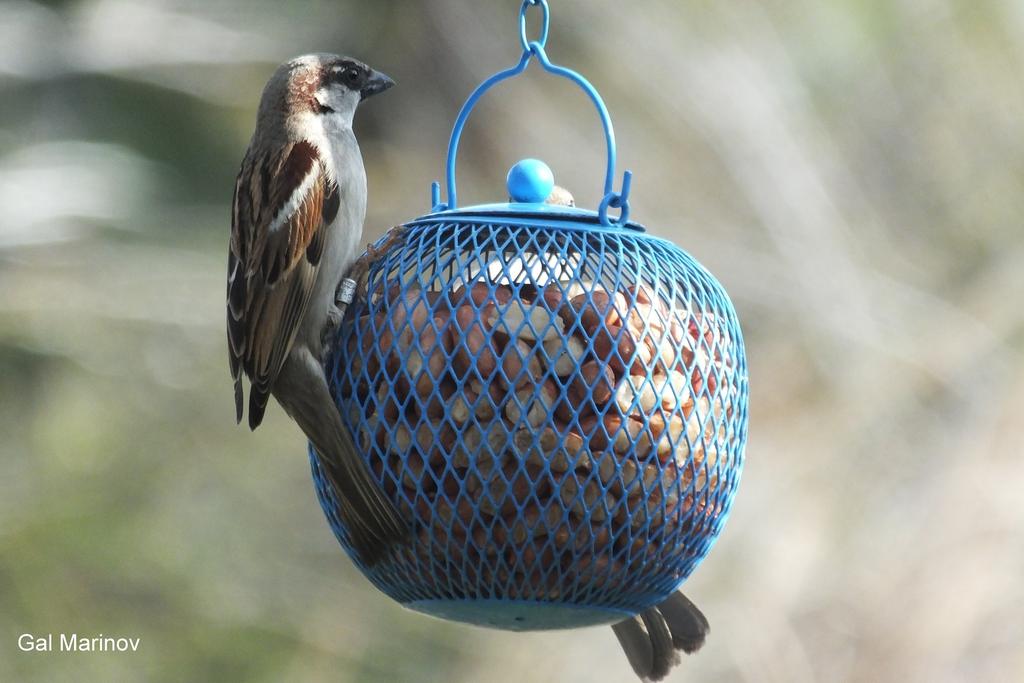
(352,77)
(322,108)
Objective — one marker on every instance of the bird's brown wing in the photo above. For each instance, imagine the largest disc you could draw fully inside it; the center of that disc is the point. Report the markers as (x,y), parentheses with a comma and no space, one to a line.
(283,203)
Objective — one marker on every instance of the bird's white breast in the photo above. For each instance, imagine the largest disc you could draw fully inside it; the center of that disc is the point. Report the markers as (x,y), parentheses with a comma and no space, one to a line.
(339,150)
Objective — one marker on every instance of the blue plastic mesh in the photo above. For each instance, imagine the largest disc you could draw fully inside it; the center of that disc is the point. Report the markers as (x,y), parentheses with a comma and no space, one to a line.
(559,410)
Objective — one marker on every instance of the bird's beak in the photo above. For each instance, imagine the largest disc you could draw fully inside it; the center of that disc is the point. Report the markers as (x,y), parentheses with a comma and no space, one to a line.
(377,82)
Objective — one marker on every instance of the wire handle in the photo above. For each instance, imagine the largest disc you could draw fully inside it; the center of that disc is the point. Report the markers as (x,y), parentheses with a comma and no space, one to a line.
(612,199)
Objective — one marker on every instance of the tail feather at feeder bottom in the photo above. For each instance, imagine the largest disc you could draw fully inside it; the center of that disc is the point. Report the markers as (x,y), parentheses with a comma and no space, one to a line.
(652,638)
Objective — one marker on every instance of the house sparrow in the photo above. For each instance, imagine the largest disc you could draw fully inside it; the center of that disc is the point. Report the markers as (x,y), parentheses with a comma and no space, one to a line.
(297,219)
(653,638)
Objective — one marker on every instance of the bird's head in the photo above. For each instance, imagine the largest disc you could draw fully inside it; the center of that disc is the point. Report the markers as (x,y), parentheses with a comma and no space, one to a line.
(324,86)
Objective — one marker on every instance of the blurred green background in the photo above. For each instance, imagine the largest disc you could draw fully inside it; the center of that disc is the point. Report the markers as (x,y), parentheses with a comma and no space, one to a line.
(852,171)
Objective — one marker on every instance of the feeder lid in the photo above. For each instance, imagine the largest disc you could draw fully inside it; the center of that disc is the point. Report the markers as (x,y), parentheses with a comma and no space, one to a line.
(529,184)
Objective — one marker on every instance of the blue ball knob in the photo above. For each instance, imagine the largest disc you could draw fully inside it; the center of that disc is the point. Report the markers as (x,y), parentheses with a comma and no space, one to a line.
(530,181)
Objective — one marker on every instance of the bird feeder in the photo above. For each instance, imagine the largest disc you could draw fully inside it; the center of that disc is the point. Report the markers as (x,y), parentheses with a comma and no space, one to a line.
(554,399)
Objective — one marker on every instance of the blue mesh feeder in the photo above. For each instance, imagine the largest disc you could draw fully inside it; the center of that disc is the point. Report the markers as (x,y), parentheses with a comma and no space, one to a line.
(555,400)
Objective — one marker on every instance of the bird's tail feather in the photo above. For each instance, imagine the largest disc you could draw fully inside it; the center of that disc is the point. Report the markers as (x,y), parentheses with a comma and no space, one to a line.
(371,519)
(239,399)
(688,624)
(664,655)
(258,398)
(637,646)
(652,639)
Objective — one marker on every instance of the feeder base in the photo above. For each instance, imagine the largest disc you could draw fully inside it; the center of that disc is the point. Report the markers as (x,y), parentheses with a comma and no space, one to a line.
(519,615)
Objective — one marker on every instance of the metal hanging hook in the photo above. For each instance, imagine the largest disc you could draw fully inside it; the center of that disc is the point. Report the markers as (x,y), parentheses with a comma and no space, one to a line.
(545,22)
(530,49)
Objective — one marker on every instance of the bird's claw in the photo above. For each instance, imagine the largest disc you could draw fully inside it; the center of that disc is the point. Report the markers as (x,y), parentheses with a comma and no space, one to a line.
(330,332)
